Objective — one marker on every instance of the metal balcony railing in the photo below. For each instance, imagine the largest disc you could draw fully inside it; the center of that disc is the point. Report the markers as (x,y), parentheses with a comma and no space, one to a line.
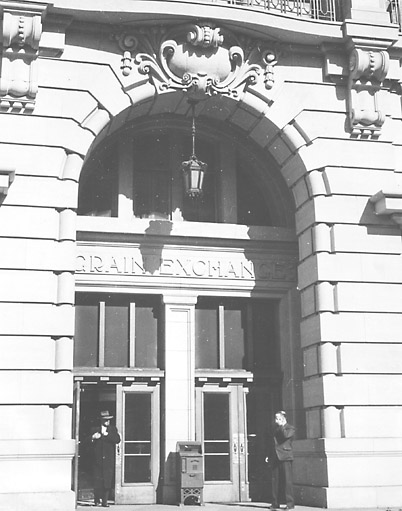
(394,10)
(328,10)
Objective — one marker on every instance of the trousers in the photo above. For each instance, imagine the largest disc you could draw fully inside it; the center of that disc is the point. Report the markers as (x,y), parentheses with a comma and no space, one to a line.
(101,494)
(282,484)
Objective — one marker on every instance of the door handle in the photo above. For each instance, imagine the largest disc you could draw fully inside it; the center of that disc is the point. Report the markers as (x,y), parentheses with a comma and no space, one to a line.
(118,449)
(235,447)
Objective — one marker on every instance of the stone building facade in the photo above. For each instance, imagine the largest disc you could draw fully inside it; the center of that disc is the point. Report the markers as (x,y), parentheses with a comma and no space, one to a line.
(194,319)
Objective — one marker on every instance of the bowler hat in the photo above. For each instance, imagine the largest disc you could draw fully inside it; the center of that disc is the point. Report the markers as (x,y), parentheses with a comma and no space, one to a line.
(105,415)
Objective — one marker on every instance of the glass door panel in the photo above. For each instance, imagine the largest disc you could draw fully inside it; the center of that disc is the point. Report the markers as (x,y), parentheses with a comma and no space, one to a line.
(137,461)
(221,427)
(216,436)
(137,438)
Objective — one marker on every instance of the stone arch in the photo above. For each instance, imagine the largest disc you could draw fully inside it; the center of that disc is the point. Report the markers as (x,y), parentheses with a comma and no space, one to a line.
(261,166)
(286,142)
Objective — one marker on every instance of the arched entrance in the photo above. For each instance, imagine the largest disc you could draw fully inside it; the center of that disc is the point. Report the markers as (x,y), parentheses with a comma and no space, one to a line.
(185,310)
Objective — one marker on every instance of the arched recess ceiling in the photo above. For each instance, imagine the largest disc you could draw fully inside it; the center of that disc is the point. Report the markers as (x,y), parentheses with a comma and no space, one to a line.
(272,127)
(217,118)
(272,124)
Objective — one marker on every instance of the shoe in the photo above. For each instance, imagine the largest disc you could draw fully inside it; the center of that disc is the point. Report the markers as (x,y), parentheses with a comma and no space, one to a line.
(97,504)
(273,506)
(105,505)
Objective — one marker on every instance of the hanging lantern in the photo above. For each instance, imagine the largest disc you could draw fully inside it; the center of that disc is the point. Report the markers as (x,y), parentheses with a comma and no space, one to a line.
(193,169)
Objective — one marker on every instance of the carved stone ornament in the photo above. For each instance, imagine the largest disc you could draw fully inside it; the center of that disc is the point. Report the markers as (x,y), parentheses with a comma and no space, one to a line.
(368,70)
(200,59)
(21,35)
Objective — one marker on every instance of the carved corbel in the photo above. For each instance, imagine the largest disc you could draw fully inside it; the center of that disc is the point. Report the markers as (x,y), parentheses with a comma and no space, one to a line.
(200,59)
(22,30)
(367,71)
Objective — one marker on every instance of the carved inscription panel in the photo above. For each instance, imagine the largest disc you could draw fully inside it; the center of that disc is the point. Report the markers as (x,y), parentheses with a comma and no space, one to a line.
(145,264)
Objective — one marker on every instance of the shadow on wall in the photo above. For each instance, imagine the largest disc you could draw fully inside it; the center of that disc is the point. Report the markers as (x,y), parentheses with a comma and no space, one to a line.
(151,250)
(168,471)
(377,224)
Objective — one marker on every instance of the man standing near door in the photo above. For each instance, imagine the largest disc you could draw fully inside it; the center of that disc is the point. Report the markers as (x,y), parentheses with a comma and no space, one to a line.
(280,459)
(104,439)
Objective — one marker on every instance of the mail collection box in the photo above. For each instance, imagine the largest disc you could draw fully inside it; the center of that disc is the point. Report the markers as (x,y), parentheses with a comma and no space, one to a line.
(190,476)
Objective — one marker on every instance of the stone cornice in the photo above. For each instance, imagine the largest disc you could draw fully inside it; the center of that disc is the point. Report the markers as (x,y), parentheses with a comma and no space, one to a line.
(369,36)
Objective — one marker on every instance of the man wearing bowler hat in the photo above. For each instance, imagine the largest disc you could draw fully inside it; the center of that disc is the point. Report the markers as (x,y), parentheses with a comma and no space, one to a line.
(104,439)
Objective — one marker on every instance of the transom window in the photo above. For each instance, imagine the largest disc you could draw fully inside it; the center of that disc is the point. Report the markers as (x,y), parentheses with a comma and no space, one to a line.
(140,176)
(116,331)
(236,334)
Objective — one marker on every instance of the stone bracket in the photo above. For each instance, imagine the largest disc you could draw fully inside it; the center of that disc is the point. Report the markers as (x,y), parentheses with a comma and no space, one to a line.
(21,34)
(6,178)
(367,71)
(388,203)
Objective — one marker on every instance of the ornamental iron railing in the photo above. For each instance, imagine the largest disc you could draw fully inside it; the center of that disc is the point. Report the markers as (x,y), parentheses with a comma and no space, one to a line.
(394,10)
(328,10)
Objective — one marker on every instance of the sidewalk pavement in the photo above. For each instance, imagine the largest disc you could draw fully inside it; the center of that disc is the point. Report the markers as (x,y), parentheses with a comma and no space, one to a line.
(241,506)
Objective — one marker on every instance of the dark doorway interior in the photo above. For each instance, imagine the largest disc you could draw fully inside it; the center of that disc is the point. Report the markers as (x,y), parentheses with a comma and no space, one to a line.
(93,399)
(263,400)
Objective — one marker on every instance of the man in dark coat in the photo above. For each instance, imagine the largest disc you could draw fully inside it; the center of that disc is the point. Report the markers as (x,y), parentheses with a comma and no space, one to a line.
(104,439)
(280,459)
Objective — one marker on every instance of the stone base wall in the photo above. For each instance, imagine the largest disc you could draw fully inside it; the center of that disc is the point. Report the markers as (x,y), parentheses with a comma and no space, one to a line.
(49,501)
(348,473)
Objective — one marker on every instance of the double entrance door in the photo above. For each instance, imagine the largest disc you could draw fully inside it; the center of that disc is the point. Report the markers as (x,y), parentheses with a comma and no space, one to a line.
(231,423)
(135,409)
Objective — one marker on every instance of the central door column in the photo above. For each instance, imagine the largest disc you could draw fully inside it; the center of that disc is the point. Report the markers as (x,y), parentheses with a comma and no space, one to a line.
(179,416)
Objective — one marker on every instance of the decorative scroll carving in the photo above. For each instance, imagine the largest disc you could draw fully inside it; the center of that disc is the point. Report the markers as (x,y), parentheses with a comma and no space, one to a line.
(200,59)
(18,80)
(368,70)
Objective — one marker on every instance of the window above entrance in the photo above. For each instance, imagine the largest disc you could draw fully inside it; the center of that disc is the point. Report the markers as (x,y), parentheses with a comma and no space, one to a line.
(138,175)
(116,331)
(236,334)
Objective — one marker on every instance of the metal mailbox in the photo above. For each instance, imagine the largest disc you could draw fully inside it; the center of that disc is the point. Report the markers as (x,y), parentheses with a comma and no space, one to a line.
(190,473)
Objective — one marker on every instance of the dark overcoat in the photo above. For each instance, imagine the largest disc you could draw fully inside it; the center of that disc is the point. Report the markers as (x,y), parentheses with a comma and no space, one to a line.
(283,440)
(104,456)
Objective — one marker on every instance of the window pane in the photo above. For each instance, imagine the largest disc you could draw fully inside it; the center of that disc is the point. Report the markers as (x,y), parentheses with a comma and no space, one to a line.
(138,417)
(152,177)
(146,333)
(206,337)
(216,437)
(137,469)
(252,208)
(265,347)
(235,337)
(98,186)
(216,416)
(86,335)
(160,196)
(151,195)
(116,335)
(137,438)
